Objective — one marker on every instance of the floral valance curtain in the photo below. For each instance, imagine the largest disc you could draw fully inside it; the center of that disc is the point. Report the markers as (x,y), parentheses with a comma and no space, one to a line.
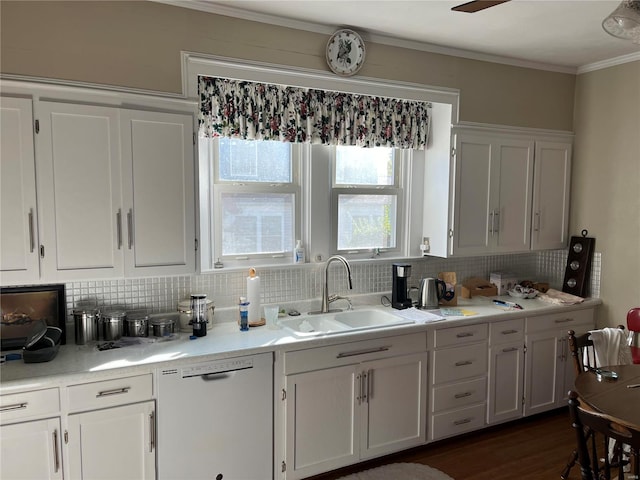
(261,111)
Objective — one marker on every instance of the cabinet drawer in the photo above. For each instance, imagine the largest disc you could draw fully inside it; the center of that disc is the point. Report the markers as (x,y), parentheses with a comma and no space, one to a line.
(459,395)
(506,332)
(565,321)
(452,364)
(107,393)
(39,403)
(458,421)
(449,337)
(353,352)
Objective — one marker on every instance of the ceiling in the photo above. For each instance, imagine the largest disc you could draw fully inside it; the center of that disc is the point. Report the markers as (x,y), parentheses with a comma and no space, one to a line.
(560,35)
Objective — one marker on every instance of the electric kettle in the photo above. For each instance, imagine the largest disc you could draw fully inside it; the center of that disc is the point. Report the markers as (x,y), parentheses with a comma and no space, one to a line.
(431,291)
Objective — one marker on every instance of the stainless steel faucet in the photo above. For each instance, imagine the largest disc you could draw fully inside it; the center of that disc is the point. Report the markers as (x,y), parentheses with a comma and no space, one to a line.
(326,300)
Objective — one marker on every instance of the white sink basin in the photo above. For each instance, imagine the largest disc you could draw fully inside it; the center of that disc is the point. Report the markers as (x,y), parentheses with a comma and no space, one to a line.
(348,321)
(314,325)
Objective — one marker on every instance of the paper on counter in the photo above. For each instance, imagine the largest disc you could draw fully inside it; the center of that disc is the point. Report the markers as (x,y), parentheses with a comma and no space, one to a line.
(457,312)
(419,316)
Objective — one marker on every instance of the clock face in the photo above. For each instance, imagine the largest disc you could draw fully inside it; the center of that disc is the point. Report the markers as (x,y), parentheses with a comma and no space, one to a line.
(345,52)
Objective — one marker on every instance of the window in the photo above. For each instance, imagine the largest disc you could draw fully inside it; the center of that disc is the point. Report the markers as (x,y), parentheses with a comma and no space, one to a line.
(255,199)
(366,199)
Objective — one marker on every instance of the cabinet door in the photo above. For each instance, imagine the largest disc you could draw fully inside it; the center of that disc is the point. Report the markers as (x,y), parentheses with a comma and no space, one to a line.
(473,170)
(551,195)
(394,404)
(544,361)
(31,450)
(19,261)
(117,442)
(506,370)
(79,191)
(159,196)
(323,420)
(510,220)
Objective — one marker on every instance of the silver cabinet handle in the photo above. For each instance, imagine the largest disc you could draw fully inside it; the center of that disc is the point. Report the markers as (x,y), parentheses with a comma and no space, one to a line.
(13,406)
(564,320)
(491,215)
(365,388)
(512,349)
(463,363)
(463,421)
(363,352)
(509,332)
(115,391)
(463,395)
(464,334)
(32,240)
(359,392)
(496,217)
(152,431)
(536,222)
(56,453)
(130,227)
(119,227)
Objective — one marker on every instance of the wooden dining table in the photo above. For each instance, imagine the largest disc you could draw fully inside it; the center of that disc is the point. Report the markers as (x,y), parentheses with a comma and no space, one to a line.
(613,397)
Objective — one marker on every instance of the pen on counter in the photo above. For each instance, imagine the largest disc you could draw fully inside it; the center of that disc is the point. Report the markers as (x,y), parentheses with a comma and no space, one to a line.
(635,385)
(507,304)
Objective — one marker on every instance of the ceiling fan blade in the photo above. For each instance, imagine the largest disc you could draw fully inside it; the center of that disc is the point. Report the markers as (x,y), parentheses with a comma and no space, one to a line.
(477,5)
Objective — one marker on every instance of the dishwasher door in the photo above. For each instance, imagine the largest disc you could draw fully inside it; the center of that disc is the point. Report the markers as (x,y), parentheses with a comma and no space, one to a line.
(215,420)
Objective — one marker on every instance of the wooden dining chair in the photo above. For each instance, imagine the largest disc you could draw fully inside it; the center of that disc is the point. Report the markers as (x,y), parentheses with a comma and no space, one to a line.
(583,352)
(584,358)
(591,449)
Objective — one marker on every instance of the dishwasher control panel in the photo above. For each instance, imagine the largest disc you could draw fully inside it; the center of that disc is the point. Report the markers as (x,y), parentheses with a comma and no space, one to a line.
(211,368)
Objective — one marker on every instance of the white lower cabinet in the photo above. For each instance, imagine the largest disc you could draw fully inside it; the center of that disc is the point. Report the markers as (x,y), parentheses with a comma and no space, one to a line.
(365,408)
(506,371)
(458,380)
(549,372)
(31,450)
(116,442)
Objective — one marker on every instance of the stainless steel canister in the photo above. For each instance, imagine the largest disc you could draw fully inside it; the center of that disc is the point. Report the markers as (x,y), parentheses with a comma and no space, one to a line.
(86,325)
(162,327)
(136,325)
(112,324)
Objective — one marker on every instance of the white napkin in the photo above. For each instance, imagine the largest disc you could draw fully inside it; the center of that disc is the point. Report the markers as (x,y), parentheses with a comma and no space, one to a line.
(610,346)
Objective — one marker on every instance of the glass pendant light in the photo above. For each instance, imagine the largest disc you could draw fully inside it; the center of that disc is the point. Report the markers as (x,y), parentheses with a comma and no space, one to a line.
(624,21)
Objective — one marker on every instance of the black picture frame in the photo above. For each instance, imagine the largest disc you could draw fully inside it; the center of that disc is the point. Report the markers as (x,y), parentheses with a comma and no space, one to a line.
(22,305)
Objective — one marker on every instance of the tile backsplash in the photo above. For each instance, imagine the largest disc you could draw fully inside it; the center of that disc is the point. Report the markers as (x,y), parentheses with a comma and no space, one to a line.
(304,282)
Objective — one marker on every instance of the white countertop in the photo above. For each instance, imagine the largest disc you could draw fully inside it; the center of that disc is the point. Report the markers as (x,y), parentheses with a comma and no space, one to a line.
(82,363)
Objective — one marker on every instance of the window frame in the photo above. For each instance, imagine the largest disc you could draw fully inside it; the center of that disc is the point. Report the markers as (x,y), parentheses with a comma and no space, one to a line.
(337,189)
(220,187)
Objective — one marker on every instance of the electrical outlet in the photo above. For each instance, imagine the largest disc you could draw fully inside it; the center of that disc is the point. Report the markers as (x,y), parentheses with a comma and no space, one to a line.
(426,245)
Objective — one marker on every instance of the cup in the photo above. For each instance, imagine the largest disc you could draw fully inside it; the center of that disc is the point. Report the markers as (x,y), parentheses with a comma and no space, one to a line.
(271,316)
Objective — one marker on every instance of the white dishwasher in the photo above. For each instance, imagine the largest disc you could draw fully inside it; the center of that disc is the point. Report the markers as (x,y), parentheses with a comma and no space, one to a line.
(215,420)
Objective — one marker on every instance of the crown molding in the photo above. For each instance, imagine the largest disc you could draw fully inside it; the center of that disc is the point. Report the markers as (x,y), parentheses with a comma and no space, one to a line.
(211,7)
(612,62)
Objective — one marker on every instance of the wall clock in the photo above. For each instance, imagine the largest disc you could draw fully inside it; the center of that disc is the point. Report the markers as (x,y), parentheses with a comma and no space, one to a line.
(345,52)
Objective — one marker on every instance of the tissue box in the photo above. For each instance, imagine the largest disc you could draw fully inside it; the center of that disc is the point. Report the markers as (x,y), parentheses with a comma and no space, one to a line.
(503,281)
(478,286)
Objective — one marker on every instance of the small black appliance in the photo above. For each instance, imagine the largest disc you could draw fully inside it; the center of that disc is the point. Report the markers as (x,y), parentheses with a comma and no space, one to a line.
(399,288)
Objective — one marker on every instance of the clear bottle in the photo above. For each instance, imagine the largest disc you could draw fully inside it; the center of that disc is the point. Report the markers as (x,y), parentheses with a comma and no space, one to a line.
(244,314)
(298,253)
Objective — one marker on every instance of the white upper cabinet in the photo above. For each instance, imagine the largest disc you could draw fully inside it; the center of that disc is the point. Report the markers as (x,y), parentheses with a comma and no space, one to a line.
(116,192)
(508,192)
(78,160)
(19,261)
(492,195)
(552,179)
(159,195)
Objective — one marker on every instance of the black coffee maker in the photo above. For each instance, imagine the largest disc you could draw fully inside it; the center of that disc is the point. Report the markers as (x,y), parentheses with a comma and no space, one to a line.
(399,288)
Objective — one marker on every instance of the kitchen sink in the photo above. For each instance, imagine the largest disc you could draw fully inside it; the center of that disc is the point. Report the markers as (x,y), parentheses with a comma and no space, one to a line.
(340,322)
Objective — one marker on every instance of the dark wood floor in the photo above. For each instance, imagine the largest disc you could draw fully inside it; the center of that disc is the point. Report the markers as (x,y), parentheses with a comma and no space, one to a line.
(534,448)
